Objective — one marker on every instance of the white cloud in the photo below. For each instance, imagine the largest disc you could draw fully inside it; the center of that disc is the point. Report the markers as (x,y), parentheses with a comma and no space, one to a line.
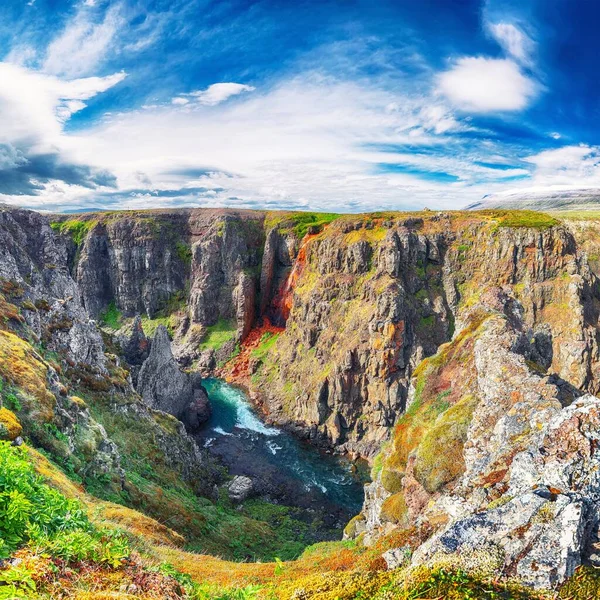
(570,165)
(83,43)
(217,93)
(34,106)
(513,40)
(478,84)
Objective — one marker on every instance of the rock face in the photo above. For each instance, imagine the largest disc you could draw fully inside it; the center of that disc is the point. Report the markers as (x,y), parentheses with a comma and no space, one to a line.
(198,412)
(49,347)
(161,383)
(163,386)
(136,348)
(34,270)
(461,349)
(371,298)
(515,489)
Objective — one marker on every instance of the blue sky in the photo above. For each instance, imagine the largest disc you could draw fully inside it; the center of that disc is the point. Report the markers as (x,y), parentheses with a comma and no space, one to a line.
(344,105)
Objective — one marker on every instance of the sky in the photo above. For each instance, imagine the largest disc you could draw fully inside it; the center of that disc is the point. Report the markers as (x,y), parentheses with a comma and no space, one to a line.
(341,106)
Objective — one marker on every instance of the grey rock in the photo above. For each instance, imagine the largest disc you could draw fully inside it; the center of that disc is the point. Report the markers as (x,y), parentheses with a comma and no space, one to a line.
(136,346)
(396,557)
(198,412)
(162,385)
(240,488)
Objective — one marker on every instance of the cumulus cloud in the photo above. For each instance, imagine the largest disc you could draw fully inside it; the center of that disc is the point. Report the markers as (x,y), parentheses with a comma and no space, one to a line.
(575,165)
(482,85)
(214,94)
(33,148)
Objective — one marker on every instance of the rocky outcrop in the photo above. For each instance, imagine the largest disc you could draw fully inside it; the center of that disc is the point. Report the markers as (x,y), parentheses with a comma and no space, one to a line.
(366,299)
(137,263)
(51,352)
(161,384)
(135,347)
(514,486)
(34,273)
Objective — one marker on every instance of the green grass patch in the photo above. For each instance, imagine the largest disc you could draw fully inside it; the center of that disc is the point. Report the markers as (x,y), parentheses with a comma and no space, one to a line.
(218,334)
(111,316)
(76,229)
(267,341)
(300,222)
(523,218)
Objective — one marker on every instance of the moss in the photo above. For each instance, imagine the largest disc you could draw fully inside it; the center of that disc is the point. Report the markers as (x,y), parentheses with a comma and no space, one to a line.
(23,368)
(8,312)
(267,341)
(394,509)
(351,529)
(111,316)
(76,229)
(80,402)
(300,223)
(522,218)
(183,252)
(151,325)
(435,468)
(391,478)
(369,235)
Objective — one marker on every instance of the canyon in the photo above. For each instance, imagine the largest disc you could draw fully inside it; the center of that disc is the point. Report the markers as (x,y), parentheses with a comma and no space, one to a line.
(457,353)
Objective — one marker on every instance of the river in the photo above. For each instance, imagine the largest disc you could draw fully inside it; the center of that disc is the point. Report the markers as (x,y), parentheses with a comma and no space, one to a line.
(283,468)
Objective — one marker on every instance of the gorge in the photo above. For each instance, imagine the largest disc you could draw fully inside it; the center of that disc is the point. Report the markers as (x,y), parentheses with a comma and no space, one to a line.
(151,359)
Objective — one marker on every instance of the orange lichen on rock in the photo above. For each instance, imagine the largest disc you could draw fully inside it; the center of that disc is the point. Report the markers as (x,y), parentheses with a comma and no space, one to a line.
(239,369)
(22,366)
(283,301)
(10,428)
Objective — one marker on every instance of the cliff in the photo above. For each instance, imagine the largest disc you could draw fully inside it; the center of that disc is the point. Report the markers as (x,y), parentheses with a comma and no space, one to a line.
(457,352)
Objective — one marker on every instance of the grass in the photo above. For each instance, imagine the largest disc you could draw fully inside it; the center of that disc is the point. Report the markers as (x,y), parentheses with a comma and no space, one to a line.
(522,218)
(218,335)
(300,223)
(74,228)
(267,341)
(111,316)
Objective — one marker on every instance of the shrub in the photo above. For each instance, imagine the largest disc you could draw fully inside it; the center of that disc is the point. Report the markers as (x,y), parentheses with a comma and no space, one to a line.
(31,512)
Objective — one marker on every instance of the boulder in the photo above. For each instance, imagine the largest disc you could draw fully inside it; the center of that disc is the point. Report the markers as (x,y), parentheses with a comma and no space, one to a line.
(198,411)
(240,488)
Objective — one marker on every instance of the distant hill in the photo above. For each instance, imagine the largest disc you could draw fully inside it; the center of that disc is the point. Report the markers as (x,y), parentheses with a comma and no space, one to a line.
(576,199)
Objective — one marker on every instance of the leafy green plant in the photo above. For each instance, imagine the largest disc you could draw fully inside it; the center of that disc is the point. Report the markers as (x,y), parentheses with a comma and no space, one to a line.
(31,512)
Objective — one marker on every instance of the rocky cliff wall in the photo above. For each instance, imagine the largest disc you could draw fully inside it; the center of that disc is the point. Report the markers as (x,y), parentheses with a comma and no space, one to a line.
(359,301)
(59,380)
